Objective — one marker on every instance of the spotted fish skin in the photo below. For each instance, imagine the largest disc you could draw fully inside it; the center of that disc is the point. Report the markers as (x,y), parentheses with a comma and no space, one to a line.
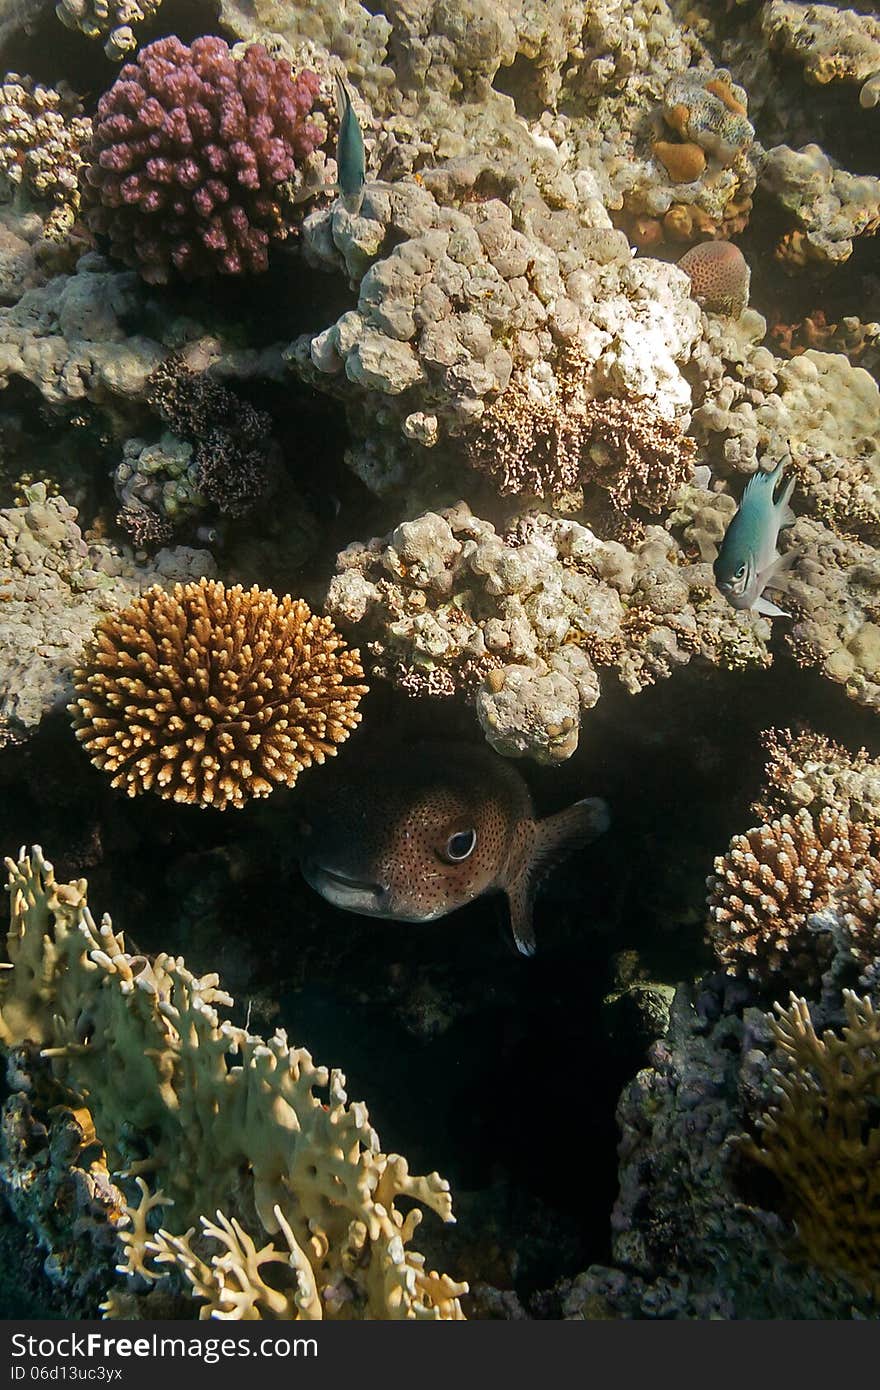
(414,840)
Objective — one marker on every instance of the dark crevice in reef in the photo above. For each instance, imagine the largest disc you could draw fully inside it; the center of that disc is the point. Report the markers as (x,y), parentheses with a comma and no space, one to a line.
(490,1068)
(519,81)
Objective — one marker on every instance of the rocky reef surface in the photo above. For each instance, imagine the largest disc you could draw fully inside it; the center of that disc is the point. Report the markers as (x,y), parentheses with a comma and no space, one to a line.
(486,408)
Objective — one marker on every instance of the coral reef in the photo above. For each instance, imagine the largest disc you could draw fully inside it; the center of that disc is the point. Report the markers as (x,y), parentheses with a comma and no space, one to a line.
(222,1121)
(188,150)
(806,771)
(829,206)
(157,485)
(531,615)
(772,884)
(232,440)
(54,586)
(114,21)
(820,1136)
(43,136)
(210,695)
(834,45)
(688,1240)
(542,445)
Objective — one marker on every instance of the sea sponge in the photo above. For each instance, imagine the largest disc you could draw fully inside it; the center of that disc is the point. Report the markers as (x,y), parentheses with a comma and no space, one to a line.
(212,695)
(682,162)
(190,146)
(719,276)
(772,882)
(821,1137)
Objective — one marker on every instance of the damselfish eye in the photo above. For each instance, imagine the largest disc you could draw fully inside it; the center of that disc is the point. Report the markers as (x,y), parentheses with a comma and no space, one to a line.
(460,845)
(740,572)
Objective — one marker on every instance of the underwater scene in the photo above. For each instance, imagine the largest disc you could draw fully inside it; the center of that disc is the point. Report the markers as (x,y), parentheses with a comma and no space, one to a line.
(440,659)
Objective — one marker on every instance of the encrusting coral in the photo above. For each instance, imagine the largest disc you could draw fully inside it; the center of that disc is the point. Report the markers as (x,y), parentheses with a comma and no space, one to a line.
(43,140)
(219,1121)
(212,695)
(773,883)
(189,148)
(820,1136)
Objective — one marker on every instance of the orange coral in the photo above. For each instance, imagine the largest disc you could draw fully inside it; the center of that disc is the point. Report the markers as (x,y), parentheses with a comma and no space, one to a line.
(683,163)
(211,695)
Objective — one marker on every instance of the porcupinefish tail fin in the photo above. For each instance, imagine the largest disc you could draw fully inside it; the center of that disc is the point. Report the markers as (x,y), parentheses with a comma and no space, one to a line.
(555,838)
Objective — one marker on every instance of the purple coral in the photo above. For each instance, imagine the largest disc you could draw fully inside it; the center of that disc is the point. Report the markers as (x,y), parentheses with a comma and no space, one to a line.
(189,148)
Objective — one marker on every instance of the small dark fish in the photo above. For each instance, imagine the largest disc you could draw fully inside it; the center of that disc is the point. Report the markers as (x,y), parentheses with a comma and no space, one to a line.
(351,159)
(416,839)
(748,561)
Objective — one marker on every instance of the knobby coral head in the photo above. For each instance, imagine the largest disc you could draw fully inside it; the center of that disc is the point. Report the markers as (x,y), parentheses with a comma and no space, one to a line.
(189,148)
(213,695)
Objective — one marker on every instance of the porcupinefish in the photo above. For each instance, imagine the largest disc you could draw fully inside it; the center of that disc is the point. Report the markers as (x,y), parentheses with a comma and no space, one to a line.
(748,561)
(415,841)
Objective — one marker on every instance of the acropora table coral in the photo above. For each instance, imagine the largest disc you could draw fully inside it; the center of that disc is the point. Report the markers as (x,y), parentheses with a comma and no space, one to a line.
(210,695)
(221,1120)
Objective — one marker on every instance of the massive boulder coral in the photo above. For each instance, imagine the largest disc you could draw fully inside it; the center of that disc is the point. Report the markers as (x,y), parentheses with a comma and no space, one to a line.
(223,1122)
(469,294)
(832,44)
(189,148)
(55,585)
(522,622)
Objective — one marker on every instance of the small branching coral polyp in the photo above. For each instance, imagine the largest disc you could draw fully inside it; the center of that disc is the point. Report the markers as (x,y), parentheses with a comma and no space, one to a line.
(242,1139)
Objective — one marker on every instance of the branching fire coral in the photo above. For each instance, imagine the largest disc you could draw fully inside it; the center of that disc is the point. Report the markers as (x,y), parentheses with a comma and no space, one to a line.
(821,1139)
(212,695)
(531,441)
(221,1121)
(189,149)
(773,881)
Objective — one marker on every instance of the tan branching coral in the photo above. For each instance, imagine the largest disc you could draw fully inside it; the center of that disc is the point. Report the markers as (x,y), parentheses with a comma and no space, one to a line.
(208,1117)
(212,695)
(773,881)
(42,134)
(547,443)
(806,770)
(821,1138)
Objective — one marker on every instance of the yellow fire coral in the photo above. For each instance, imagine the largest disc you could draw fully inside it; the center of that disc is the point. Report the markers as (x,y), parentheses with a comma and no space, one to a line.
(212,695)
(821,1139)
(771,884)
(209,1118)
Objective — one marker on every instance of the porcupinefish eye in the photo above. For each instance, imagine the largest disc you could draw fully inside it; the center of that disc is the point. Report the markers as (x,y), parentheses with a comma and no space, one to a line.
(460,845)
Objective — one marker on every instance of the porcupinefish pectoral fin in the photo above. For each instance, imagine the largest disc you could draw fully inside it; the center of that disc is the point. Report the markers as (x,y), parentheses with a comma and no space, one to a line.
(554,839)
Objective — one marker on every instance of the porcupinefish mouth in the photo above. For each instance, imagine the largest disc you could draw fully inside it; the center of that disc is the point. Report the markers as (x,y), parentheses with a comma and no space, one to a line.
(352,894)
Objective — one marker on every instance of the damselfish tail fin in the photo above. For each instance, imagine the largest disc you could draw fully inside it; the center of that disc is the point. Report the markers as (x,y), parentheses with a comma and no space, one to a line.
(555,838)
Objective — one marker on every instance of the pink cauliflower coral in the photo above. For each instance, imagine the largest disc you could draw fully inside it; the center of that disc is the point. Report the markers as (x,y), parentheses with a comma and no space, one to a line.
(189,148)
